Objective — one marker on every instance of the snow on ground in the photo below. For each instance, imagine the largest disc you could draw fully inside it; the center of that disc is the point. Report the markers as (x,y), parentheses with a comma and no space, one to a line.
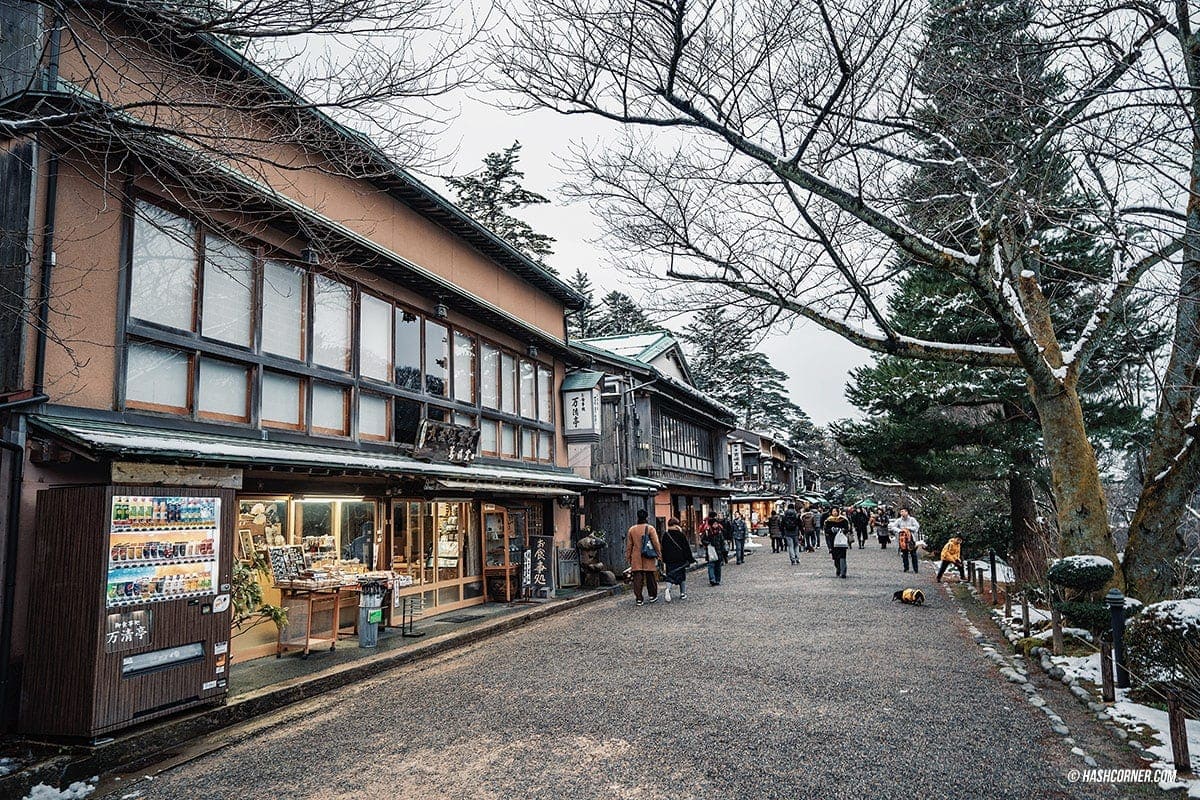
(76,791)
(1133,715)
(8,765)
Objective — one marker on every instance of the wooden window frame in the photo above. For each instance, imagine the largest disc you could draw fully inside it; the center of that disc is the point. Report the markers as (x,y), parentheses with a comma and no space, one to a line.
(159,408)
(387,418)
(215,416)
(302,425)
(318,430)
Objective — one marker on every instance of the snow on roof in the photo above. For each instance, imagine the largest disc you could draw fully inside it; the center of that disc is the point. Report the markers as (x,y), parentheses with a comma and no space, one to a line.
(639,346)
(152,442)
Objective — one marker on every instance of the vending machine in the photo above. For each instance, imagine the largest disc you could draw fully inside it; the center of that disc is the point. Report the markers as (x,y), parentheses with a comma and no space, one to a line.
(129,615)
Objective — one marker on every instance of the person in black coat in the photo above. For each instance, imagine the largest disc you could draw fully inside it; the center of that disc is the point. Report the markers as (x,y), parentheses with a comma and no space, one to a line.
(837,534)
(859,519)
(676,556)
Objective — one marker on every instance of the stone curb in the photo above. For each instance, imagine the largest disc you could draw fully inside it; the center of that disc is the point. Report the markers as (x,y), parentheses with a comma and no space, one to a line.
(1086,698)
(141,745)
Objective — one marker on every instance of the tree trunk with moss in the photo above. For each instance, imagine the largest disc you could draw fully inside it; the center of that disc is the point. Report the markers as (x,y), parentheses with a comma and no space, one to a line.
(1027,552)
(1081,508)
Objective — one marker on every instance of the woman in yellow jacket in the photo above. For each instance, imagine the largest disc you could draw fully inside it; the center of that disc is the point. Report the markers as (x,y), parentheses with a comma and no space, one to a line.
(952,554)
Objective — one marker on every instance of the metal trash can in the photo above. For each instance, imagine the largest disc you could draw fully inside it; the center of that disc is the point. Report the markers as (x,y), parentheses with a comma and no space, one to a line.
(370,610)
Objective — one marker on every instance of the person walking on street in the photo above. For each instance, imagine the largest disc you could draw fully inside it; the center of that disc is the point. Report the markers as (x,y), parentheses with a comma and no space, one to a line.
(837,531)
(879,526)
(714,543)
(808,526)
(906,523)
(676,556)
(740,532)
(951,554)
(774,529)
(859,519)
(790,527)
(642,550)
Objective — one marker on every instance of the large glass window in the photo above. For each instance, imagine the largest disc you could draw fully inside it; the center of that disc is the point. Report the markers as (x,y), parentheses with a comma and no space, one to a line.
(685,445)
(464,368)
(528,390)
(224,391)
(373,422)
(437,358)
(228,292)
(508,440)
(545,394)
(356,529)
(330,407)
(508,383)
(162,285)
(375,338)
(489,376)
(488,443)
(282,401)
(408,350)
(331,323)
(283,314)
(158,378)
(546,446)
(408,419)
(528,444)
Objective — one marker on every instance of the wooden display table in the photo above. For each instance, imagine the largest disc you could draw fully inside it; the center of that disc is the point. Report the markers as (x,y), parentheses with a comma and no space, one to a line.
(312,617)
(501,582)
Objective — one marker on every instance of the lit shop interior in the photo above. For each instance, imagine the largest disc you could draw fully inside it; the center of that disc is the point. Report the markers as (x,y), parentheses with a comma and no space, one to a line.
(440,555)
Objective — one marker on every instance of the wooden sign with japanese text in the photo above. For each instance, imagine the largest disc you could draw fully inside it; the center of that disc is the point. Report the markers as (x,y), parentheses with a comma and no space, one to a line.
(127,630)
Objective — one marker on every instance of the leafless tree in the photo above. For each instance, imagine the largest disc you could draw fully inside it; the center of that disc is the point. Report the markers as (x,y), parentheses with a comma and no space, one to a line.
(767,146)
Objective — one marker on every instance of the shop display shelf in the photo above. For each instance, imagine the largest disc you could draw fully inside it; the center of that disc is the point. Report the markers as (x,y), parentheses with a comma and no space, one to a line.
(156,598)
(207,558)
(181,527)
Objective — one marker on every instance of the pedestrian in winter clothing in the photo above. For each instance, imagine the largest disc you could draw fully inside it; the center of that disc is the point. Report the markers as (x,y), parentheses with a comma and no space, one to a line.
(676,556)
(643,568)
(879,527)
(774,523)
(789,525)
(740,533)
(859,519)
(906,528)
(952,554)
(714,542)
(808,526)
(837,531)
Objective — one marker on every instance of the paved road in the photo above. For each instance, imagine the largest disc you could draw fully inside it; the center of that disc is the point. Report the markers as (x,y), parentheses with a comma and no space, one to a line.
(784,682)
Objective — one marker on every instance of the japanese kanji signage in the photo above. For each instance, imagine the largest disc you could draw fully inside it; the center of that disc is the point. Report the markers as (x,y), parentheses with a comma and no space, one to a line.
(127,630)
(582,411)
(445,440)
(735,458)
(541,549)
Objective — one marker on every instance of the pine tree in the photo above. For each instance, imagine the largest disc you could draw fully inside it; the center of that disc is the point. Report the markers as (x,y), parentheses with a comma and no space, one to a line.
(490,194)
(725,365)
(940,423)
(618,314)
(580,323)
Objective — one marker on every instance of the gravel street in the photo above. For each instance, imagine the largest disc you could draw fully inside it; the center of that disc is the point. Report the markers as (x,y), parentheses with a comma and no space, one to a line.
(784,682)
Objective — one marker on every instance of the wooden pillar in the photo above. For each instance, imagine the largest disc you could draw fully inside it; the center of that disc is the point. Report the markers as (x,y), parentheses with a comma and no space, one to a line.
(1025,613)
(1108,688)
(1056,629)
(1177,721)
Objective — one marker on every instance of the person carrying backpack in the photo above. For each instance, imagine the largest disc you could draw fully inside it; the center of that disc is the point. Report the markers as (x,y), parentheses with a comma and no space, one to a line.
(740,533)
(837,531)
(790,527)
(859,519)
(808,526)
(642,549)
(906,529)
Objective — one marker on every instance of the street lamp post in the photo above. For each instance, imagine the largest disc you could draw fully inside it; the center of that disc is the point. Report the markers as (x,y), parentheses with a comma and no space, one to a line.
(1116,604)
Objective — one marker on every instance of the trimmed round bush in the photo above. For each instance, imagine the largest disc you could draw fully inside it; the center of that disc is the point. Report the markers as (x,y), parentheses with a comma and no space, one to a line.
(1163,650)
(1082,614)
(1081,573)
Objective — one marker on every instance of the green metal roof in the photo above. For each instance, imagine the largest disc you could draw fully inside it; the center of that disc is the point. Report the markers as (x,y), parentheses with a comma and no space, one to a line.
(581,380)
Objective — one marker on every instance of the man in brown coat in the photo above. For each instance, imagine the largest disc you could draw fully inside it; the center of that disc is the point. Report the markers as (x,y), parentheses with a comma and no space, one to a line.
(643,568)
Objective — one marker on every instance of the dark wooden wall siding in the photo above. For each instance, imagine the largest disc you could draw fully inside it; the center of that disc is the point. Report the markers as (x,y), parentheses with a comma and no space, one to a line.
(20,27)
(71,687)
(607,457)
(16,198)
(613,514)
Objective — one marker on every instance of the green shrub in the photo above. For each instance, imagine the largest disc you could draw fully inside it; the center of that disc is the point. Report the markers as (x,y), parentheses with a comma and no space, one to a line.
(1091,616)
(1081,573)
(1163,650)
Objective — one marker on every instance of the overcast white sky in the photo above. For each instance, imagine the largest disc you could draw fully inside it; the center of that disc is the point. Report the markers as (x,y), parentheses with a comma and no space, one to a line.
(816,361)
